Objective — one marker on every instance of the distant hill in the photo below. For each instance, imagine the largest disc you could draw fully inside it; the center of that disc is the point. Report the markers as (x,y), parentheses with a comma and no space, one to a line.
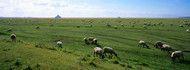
(185,17)
(58,16)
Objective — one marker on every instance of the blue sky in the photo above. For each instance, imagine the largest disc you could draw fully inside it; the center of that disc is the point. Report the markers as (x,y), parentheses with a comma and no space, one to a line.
(94,8)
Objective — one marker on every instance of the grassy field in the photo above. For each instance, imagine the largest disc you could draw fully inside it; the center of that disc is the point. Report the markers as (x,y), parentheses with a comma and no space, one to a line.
(37,49)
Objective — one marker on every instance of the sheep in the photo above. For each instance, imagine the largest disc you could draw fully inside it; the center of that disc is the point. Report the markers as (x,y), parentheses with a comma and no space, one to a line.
(59,43)
(51,25)
(158,44)
(177,54)
(37,27)
(171,24)
(95,41)
(109,50)
(187,31)
(166,47)
(9,30)
(13,37)
(143,43)
(99,51)
(86,40)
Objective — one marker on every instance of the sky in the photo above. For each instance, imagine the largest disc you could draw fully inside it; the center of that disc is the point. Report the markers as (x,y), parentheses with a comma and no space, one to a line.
(94,8)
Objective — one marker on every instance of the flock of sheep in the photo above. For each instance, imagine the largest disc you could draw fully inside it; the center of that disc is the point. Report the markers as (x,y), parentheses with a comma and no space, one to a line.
(164,47)
(102,52)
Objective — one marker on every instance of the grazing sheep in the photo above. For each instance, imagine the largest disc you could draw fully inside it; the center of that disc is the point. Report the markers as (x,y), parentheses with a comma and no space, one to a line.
(37,27)
(158,44)
(59,43)
(86,40)
(9,30)
(51,25)
(99,51)
(13,37)
(177,54)
(95,41)
(166,47)
(109,50)
(143,43)
(187,31)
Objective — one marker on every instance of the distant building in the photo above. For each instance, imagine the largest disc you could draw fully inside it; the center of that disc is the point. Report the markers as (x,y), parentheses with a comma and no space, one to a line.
(58,16)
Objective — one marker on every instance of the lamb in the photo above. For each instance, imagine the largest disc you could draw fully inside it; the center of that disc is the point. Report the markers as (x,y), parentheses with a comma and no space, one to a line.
(99,51)
(59,43)
(177,54)
(158,44)
(166,47)
(143,43)
(95,41)
(13,37)
(86,40)
(187,31)
(109,50)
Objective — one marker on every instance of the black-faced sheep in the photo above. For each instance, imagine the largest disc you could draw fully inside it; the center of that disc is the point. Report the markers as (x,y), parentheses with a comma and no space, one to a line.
(115,27)
(109,50)
(158,44)
(98,51)
(166,47)
(13,37)
(143,43)
(60,44)
(86,40)
(177,54)
(91,39)
(180,25)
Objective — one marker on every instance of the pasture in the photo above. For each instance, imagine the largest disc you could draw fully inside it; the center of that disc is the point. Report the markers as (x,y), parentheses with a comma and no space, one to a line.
(37,49)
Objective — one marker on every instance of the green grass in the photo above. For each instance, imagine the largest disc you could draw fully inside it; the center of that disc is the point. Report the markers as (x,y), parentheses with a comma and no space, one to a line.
(37,48)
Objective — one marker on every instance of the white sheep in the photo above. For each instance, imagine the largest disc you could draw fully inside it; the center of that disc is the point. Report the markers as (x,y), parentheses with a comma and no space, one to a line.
(98,51)
(109,50)
(158,44)
(177,54)
(166,47)
(86,40)
(91,39)
(143,43)
(115,27)
(13,37)
(60,44)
